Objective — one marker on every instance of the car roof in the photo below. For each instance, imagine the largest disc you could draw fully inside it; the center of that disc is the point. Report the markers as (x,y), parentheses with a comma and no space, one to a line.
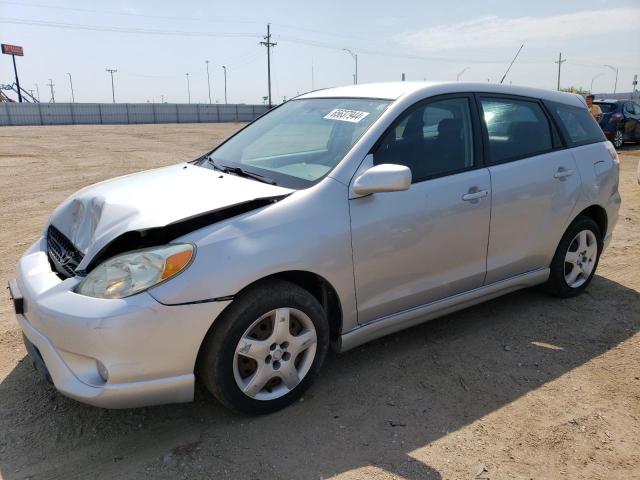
(607,100)
(396,90)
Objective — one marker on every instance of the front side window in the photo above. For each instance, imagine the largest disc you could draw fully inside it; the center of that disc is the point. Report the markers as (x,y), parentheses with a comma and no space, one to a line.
(516,129)
(577,124)
(300,142)
(432,140)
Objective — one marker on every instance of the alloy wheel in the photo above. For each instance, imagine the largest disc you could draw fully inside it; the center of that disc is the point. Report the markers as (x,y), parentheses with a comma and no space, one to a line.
(275,354)
(618,139)
(580,258)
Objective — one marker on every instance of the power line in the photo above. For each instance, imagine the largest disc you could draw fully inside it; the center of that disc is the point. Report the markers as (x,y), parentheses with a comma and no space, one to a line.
(136,30)
(194,19)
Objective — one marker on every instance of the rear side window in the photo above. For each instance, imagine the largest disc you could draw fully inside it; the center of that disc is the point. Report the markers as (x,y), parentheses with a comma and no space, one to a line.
(516,129)
(577,124)
(606,107)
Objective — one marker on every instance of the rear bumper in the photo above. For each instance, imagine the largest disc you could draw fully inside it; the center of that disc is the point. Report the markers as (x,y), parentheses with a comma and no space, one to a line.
(148,349)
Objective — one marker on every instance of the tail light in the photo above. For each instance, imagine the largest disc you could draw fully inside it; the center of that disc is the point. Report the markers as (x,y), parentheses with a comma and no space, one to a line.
(615,118)
(612,151)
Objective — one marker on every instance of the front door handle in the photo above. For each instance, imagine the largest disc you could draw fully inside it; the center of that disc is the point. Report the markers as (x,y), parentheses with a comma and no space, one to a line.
(468,197)
(563,173)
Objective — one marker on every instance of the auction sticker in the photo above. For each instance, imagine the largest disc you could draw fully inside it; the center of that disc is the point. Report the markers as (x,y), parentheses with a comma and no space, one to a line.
(353,116)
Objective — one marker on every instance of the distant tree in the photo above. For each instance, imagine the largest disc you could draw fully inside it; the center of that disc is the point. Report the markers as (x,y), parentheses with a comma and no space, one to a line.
(578,90)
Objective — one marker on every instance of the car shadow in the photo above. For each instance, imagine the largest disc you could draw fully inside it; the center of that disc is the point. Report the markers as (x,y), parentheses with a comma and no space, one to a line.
(371,406)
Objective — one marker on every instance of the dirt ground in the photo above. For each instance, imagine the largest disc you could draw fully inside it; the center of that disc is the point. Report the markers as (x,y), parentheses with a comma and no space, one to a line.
(522,387)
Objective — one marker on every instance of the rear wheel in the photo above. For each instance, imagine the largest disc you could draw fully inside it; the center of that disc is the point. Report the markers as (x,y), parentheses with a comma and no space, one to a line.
(576,258)
(265,349)
(618,139)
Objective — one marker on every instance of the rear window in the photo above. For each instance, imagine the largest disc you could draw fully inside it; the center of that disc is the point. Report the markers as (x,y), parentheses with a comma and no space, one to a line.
(576,124)
(516,129)
(606,107)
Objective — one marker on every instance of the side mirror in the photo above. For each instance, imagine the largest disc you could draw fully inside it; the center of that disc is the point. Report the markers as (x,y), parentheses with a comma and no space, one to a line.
(383,178)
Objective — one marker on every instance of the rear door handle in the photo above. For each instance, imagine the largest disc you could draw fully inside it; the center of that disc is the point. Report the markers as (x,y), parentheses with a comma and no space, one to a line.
(563,173)
(468,197)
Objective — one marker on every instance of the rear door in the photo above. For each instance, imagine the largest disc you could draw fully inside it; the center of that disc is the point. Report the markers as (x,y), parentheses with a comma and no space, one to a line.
(534,181)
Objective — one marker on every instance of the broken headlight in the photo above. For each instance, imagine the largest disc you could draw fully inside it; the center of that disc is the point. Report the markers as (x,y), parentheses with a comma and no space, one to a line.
(132,272)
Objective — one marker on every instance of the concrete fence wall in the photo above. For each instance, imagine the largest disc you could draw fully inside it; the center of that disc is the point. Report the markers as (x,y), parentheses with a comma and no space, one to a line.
(124,113)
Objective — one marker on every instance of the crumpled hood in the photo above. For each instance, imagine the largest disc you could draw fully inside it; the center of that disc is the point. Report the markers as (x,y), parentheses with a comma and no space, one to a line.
(95,215)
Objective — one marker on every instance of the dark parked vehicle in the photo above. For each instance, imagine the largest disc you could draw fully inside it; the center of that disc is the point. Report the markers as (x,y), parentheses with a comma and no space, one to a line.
(620,120)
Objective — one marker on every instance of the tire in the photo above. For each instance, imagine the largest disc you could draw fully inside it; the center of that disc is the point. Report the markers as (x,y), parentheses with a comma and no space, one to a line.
(618,139)
(571,269)
(239,353)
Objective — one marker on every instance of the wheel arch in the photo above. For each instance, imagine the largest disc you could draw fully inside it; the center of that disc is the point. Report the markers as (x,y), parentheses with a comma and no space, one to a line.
(318,286)
(599,215)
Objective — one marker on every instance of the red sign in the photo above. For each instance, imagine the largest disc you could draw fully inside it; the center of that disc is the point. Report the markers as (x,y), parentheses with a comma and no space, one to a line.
(12,50)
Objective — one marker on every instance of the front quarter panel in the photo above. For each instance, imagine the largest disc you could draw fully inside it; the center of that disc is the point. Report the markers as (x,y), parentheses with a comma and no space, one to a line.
(308,231)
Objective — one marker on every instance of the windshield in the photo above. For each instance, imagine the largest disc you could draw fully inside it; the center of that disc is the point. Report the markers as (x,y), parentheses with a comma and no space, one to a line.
(298,143)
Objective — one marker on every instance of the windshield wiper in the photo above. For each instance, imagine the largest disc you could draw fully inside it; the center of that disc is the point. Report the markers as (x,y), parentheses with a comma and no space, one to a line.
(241,172)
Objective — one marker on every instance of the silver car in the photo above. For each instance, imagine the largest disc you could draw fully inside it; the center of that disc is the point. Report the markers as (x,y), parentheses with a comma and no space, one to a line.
(339,217)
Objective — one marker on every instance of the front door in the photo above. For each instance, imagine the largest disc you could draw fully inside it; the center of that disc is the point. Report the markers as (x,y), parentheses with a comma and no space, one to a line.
(429,242)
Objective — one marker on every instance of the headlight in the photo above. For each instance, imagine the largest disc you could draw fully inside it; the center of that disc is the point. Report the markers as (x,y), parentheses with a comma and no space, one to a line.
(133,272)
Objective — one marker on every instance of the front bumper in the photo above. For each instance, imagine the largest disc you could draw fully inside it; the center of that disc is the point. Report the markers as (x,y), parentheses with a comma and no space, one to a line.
(148,349)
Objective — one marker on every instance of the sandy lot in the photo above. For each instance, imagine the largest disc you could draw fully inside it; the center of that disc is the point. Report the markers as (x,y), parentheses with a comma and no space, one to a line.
(524,386)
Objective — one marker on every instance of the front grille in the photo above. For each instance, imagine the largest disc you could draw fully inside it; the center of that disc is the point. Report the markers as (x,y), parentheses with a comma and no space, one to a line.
(64,257)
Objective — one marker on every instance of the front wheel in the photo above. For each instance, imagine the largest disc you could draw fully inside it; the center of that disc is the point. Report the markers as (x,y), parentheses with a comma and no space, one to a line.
(265,349)
(576,258)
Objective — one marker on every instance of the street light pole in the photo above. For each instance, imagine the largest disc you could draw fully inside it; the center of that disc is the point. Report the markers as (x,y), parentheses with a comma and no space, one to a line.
(208,80)
(461,72)
(113,91)
(73,98)
(591,88)
(615,69)
(355,58)
(188,88)
(225,83)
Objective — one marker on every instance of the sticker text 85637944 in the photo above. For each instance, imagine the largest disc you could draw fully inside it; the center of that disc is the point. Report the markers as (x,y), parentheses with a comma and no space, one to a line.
(353,116)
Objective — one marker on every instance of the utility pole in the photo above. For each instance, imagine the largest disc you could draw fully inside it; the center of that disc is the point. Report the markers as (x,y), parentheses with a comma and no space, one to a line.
(113,91)
(225,84)
(188,88)
(51,85)
(161,98)
(312,87)
(615,69)
(461,72)
(355,58)
(269,44)
(73,98)
(208,81)
(559,62)
(38,90)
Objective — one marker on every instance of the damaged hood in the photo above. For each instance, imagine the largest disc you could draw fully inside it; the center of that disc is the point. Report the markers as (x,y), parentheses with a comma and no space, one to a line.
(96,215)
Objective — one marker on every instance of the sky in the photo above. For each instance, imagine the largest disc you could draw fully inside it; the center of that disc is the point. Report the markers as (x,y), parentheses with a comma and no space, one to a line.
(154,44)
